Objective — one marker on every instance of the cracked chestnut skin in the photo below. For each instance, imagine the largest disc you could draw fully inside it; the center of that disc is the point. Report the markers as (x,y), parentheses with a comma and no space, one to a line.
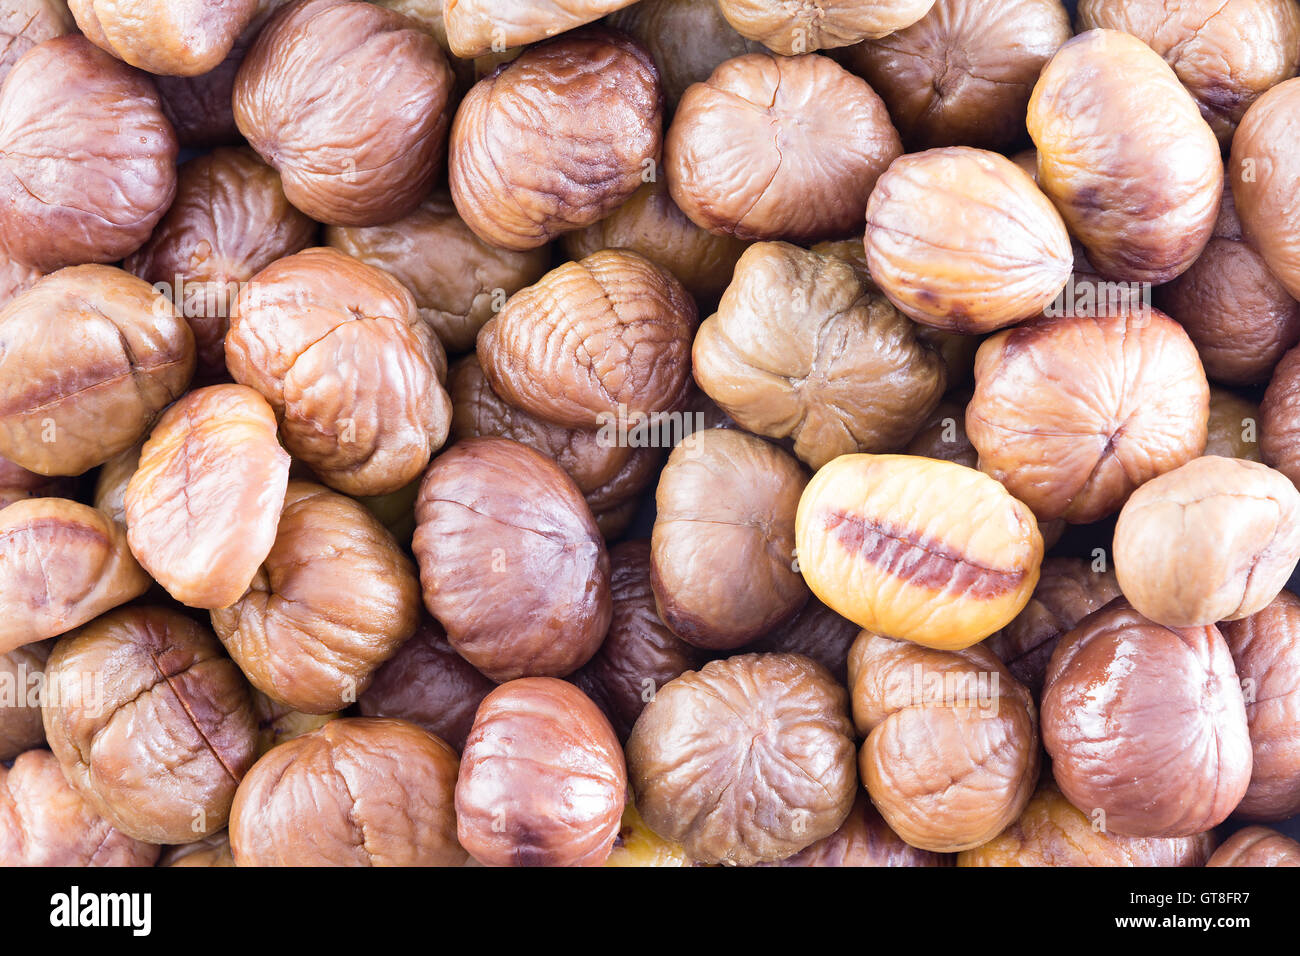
(458,280)
(543,780)
(687,38)
(1240,317)
(1266,650)
(800,349)
(1052,832)
(1257,846)
(351,153)
(962,239)
(751,152)
(476,27)
(87,158)
(361,791)
(1146,723)
(963,73)
(1072,413)
(1234,426)
(26,23)
(612,332)
(333,600)
(640,653)
(44,822)
(722,549)
(1069,589)
(916,548)
(1263,171)
(1126,157)
(20,718)
(354,375)
(427,683)
(864,839)
(230,221)
(651,224)
(511,561)
(161,753)
(1213,540)
(748,760)
(61,564)
(528,164)
(807,25)
(89,357)
(203,504)
(1225,53)
(951,753)
(179,37)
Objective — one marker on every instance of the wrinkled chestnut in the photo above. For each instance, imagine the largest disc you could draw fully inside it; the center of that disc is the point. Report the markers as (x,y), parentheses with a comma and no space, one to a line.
(459,281)
(1072,413)
(1279,418)
(1213,540)
(1257,846)
(178,38)
(816,632)
(338,349)
(475,27)
(358,792)
(594,341)
(888,541)
(951,751)
(804,27)
(1053,832)
(1146,725)
(722,550)
(800,349)
(963,73)
(44,822)
(333,600)
(511,561)
(202,505)
(427,683)
(1125,155)
(748,760)
(277,722)
(751,154)
(17,483)
(212,850)
(1262,173)
(864,839)
(639,654)
(61,565)
(26,23)
(151,722)
(1006,261)
(1069,589)
(542,781)
(230,221)
(88,358)
(1266,650)
(350,153)
(528,164)
(22,673)
(87,158)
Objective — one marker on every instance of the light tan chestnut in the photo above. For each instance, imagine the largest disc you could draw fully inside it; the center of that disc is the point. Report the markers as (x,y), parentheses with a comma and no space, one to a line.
(803,27)
(476,27)
(1214,540)
(1263,173)
(917,549)
(1125,155)
(962,239)
(800,349)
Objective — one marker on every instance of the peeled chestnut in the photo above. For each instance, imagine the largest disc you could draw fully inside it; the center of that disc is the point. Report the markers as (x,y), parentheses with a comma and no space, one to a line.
(475,27)
(212,850)
(542,780)
(1234,426)
(26,23)
(527,163)
(816,632)
(89,357)
(87,158)
(151,722)
(511,561)
(864,839)
(22,677)
(1279,418)
(750,154)
(357,792)
(350,153)
(889,542)
(951,750)
(1257,846)
(1146,724)
(179,37)
(748,760)
(804,27)
(17,483)
(1126,157)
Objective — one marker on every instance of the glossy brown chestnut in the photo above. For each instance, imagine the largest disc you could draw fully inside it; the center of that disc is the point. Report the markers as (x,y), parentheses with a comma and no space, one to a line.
(179,38)
(1279,418)
(542,780)
(1257,846)
(864,839)
(511,561)
(1234,426)
(22,677)
(212,850)
(816,632)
